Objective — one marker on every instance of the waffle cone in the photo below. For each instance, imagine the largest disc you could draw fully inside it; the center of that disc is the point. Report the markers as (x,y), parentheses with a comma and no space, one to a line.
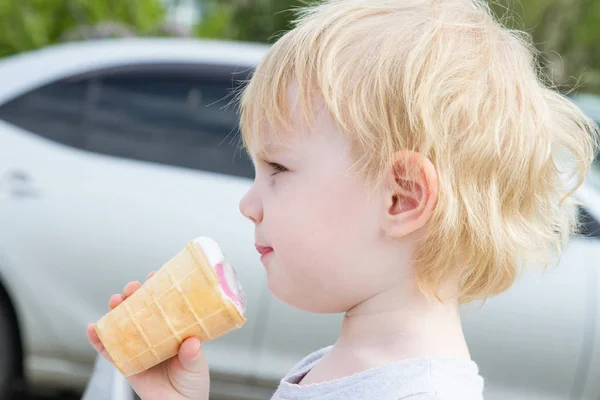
(181,300)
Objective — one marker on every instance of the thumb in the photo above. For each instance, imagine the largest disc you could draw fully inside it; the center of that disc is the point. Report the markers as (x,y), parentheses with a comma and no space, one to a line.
(191,356)
(188,372)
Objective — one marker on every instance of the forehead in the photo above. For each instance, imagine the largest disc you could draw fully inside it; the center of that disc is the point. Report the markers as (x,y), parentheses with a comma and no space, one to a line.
(301,122)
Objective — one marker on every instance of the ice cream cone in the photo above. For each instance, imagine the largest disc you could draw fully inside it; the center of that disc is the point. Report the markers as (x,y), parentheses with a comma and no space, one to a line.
(184,298)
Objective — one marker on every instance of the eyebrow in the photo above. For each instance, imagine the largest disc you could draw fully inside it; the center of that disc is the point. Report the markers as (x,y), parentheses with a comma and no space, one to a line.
(271,149)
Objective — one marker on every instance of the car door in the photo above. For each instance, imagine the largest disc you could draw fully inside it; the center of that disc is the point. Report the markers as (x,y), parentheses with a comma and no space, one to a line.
(534,341)
(129,164)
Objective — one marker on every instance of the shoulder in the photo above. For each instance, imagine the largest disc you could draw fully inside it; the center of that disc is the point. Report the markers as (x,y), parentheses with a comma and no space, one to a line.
(305,365)
(451,379)
(436,379)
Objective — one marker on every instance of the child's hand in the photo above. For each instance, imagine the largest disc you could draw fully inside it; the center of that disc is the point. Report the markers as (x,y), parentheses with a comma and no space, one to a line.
(184,376)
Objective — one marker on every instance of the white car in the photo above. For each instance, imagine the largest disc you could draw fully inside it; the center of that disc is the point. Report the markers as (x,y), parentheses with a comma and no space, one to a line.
(113,154)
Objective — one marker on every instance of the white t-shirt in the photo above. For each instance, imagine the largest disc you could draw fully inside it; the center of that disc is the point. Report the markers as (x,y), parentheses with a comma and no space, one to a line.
(418,379)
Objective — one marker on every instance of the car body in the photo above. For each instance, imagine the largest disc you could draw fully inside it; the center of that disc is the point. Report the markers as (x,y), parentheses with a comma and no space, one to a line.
(115,153)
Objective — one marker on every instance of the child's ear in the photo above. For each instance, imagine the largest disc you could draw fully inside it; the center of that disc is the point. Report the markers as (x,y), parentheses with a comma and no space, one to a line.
(411,193)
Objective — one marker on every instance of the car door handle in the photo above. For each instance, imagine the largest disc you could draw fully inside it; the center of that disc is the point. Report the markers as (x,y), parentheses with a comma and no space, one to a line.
(17,184)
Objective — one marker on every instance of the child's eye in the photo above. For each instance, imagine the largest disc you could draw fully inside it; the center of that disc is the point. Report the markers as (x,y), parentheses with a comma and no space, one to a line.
(277,168)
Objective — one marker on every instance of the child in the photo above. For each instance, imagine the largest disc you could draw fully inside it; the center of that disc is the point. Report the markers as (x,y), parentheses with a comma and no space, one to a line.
(408,160)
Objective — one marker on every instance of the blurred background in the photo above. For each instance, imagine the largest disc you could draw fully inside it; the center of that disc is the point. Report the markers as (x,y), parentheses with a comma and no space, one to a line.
(118,144)
(566,31)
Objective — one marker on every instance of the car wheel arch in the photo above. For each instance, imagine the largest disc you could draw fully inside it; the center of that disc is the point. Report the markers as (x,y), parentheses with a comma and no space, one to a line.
(7,302)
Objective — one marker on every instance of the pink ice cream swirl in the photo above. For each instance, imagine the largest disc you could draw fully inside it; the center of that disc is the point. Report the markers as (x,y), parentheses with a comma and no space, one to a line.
(229,283)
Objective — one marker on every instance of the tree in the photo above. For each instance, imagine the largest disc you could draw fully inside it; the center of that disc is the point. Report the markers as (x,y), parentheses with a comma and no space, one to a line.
(247,20)
(567,32)
(31,24)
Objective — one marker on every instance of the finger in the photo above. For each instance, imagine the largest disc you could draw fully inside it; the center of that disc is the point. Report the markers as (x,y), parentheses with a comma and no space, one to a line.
(115,300)
(131,287)
(151,274)
(191,356)
(96,343)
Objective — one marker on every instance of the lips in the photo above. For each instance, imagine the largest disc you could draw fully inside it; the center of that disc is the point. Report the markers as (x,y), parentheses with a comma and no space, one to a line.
(263,250)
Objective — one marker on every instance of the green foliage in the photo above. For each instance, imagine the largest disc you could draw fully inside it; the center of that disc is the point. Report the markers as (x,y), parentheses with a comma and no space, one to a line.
(251,20)
(567,32)
(30,24)
(218,23)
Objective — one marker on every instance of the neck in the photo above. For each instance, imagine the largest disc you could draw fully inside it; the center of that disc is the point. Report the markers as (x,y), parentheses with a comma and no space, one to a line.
(402,323)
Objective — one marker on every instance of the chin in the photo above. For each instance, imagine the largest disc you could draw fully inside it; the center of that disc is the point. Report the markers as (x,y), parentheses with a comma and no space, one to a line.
(304,301)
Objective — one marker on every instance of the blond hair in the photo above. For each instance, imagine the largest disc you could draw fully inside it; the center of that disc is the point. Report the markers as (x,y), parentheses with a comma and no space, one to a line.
(445,79)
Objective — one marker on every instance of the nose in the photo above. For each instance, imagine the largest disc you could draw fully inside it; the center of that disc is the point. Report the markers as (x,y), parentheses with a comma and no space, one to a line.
(250,206)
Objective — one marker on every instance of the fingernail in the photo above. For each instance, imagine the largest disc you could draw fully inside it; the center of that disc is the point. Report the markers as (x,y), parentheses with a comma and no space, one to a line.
(197,350)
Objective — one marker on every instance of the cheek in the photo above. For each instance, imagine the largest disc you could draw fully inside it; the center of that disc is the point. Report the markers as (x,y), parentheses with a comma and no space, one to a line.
(318,221)
(322,214)
(324,205)
(322,244)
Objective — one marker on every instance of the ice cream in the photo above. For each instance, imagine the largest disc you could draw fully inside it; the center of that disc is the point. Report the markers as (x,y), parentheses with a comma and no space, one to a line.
(230,285)
(196,293)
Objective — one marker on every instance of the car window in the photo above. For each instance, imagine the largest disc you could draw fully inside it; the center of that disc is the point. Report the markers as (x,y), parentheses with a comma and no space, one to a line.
(182,117)
(590,227)
(595,173)
(185,120)
(55,111)
(590,105)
